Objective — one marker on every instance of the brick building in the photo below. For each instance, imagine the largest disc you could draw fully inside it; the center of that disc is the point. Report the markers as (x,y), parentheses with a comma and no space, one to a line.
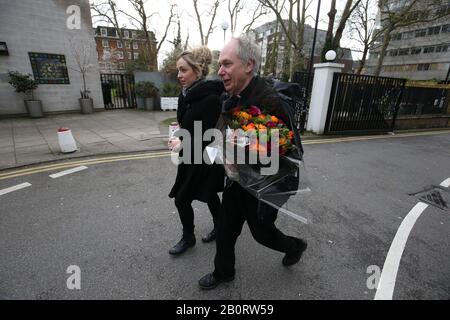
(113,55)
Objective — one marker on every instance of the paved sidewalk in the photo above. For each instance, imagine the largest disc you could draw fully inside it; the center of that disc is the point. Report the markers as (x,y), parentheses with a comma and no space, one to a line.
(25,141)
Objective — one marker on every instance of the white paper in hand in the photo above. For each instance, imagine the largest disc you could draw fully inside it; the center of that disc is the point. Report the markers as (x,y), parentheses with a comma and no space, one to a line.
(212,153)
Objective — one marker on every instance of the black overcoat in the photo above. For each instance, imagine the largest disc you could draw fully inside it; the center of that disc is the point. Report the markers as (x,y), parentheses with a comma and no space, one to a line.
(199,181)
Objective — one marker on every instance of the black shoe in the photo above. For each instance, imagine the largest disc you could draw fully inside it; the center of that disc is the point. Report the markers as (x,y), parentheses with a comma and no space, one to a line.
(294,257)
(210,282)
(184,244)
(210,236)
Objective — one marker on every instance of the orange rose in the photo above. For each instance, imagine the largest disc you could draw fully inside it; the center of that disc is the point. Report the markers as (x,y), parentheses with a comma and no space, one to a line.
(262,117)
(245,115)
(274,119)
(250,126)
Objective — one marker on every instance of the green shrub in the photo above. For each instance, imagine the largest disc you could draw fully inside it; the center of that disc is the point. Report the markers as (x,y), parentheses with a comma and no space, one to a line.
(146,89)
(170,90)
(22,82)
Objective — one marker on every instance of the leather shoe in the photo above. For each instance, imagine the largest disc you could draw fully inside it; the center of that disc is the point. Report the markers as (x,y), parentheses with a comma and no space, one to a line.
(294,257)
(210,282)
(210,236)
(184,244)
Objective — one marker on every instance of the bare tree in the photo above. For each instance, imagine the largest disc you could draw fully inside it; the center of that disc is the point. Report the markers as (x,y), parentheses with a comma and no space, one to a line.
(213,12)
(109,13)
(362,26)
(258,12)
(333,38)
(234,8)
(143,23)
(294,36)
(85,60)
(395,17)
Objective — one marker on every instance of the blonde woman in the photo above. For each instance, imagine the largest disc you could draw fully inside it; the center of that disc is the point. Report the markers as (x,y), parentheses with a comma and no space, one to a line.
(198,101)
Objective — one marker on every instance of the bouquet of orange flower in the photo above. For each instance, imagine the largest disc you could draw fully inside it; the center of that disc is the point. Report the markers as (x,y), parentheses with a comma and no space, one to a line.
(254,122)
(273,174)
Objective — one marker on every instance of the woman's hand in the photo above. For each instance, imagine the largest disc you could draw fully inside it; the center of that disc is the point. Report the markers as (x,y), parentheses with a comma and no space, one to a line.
(174,144)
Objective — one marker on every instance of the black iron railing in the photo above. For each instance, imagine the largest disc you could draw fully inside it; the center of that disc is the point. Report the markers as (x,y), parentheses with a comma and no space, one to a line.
(361,103)
(118,91)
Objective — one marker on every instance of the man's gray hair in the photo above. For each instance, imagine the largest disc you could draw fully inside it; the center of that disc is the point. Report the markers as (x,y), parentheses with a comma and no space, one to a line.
(248,50)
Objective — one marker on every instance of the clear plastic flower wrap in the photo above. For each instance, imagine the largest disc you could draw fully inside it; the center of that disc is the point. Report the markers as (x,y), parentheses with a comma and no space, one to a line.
(263,156)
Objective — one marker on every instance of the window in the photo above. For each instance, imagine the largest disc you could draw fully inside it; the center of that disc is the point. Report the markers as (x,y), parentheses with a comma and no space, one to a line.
(423,66)
(135,45)
(106,55)
(127,44)
(105,43)
(133,34)
(136,55)
(403,52)
(408,35)
(434,30)
(416,51)
(421,33)
(428,50)
(120,54)
(393,53)
(129,56)
(397,36)
(121,65)
(442,48)
(103,32)
(445,28)
(119,44)
(126,33)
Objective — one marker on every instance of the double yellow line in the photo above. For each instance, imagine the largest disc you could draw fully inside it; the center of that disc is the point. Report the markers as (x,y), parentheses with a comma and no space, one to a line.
(63,165)
(58,166)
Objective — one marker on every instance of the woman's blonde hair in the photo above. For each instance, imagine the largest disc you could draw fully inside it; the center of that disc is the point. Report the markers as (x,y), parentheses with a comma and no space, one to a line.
(198,59)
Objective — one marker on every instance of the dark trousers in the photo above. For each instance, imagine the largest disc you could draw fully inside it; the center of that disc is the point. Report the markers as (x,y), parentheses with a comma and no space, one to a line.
(186,213)
(240,206)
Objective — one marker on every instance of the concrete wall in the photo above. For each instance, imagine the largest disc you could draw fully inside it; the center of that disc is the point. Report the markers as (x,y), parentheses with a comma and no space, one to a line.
(422,122)
(41,26)
(158,78)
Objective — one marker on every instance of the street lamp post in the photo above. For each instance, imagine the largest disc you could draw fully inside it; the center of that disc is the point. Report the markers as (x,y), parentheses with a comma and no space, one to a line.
(225,26)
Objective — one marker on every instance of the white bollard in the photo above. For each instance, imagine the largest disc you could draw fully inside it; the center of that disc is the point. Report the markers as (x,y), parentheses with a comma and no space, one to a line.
(66,141)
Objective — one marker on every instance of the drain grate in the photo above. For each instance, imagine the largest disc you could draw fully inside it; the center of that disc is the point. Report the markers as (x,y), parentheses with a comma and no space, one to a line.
(435,196)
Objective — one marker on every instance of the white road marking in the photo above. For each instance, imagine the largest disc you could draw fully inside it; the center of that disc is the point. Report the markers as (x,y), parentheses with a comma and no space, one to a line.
(14,188)
(66,172)
(446,183)
(386,284)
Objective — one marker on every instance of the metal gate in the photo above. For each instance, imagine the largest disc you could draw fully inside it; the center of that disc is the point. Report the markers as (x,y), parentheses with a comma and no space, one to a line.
(361,103)
(118,91)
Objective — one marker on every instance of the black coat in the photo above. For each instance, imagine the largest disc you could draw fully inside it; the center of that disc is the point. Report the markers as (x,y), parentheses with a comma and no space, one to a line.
(198,181)
(259,93)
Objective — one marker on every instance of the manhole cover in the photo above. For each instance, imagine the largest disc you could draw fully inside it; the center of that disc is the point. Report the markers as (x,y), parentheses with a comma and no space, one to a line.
(435,196)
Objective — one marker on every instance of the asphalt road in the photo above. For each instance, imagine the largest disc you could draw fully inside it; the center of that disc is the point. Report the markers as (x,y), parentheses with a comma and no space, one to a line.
(115,222)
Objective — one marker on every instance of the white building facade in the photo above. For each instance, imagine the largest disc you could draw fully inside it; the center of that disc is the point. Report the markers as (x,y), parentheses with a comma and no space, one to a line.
(420,51)
(42,37)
